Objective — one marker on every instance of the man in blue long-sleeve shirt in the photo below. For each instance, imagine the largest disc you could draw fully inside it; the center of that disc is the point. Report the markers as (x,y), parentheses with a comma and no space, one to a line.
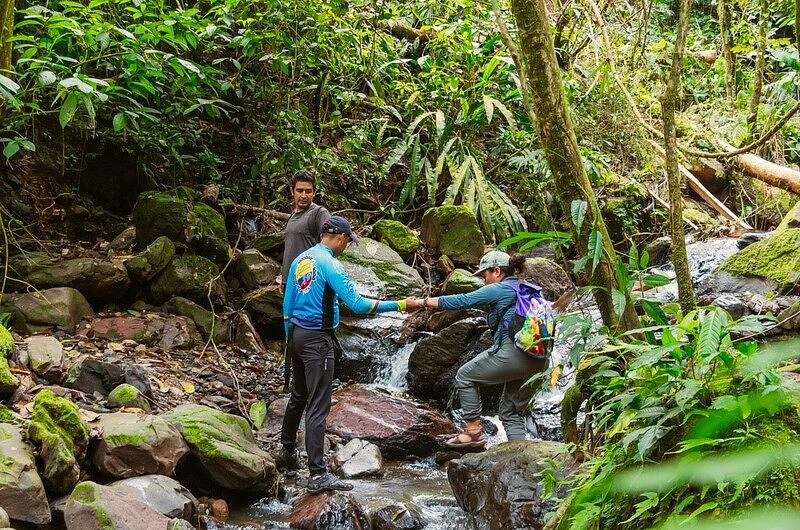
(315,282)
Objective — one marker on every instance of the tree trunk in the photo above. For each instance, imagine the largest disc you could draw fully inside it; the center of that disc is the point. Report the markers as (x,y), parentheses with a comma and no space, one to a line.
(778,176)
(758,77)
(724,15)
(6,30)
(674,177)
(555,130)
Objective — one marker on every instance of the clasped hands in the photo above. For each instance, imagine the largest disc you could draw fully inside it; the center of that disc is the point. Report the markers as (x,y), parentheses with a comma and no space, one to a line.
(413,303)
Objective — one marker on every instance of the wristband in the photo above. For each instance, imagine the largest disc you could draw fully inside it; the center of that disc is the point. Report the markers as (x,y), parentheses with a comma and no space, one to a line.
(401,305)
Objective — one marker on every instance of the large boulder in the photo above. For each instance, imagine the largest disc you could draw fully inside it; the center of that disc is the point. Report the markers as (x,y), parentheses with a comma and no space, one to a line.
(397,278)
(461,281)
(144,266)
(130,445)
(174,214)
(94,507)
(328,511)
(21,491)
(454,232)
(548,275)
(62,436)
(189,277)
(225,447)
(399,427)
(367,345)
(266,306)
(503,487)
(163,494)
(60,307)
(792,219)
(256,270)
(166,332)
(46,355)
(775,259)
(435,360)
(97,279)
(398,236)
(90,375)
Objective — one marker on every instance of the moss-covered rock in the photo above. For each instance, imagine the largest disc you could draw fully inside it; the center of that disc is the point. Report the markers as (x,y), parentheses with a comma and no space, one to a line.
(792,219)
(126,395)
(144,266)
(94,507)
(6,342)
(208,235)
(699,217)
(460,281)
(97,279)
(203,318)
(62,436)
(132,445)
(256,270)
(454,232)
(770,204)
(21,491)
(189,277)
(398,236)
(8,381)
(776,258)
(622,206)
(266,306)
(548,275)
(225,447)
(61,307)
(174,214)
(397,278)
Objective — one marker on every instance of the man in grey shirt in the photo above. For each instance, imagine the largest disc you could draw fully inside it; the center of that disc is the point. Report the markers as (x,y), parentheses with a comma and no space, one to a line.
(305,223)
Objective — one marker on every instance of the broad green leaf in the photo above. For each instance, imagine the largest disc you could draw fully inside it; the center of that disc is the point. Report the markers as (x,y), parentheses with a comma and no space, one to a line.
(711,332)
(578,210)
(489,107)
(619,302)
(595,248)
(258,413)
(656,280)
(11,149)
(9,84)
(46,77)
(68,109)
(120,121)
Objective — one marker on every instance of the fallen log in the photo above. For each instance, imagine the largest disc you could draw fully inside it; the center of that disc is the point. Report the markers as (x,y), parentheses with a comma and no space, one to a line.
(701,190)
(773,174)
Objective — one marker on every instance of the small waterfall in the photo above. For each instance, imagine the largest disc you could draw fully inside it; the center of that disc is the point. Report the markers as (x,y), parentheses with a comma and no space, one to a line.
(393,374)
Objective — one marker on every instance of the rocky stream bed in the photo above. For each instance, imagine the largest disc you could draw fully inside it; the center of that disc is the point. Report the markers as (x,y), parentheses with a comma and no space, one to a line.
(142,385)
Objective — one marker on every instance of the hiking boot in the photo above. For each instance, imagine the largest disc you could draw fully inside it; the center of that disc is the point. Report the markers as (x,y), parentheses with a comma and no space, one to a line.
(287,460)
(326,482)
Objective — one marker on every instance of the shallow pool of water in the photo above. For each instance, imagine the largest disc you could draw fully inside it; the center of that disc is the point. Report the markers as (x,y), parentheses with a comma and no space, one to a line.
(419,485)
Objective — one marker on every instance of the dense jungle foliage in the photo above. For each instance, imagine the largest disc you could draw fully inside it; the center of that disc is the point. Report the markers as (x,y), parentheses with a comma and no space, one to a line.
(404,105)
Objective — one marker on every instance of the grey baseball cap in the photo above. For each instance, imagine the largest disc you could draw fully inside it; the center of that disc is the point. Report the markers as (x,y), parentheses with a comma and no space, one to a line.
(490,260)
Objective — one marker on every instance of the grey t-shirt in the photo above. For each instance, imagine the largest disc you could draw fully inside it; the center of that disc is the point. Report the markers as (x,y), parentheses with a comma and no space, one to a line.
(302,233)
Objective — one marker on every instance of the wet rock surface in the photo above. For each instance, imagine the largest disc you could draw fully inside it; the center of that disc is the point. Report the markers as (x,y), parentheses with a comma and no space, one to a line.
(399,427)
(328,511)
(498,486)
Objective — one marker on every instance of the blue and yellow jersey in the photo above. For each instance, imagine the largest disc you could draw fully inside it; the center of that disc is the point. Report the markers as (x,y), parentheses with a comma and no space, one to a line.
(314,284)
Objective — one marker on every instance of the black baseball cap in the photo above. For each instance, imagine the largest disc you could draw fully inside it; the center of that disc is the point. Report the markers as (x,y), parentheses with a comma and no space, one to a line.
(339,225)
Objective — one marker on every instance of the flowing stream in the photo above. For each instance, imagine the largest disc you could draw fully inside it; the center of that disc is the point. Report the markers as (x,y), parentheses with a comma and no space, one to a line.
(375,352)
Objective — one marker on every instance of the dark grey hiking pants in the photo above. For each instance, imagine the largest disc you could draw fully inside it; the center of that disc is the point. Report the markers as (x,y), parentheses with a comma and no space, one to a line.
(312,353)
(509,366)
